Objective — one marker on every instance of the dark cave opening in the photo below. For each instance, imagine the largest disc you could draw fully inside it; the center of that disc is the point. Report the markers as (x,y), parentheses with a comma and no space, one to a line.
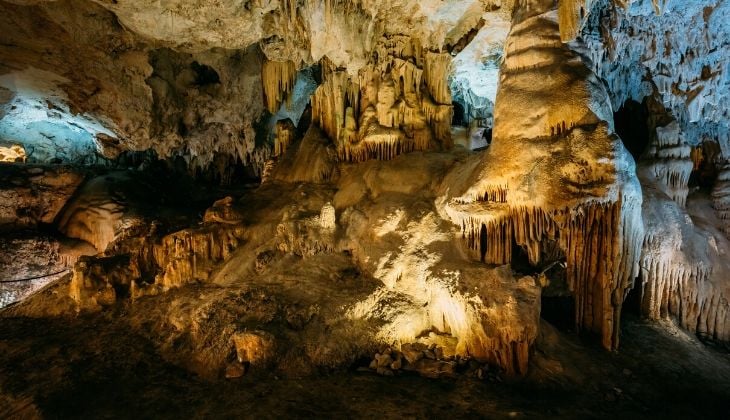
(459,116)
(632,303)
(705,170)
(631,122)
(204,75)
(559,311)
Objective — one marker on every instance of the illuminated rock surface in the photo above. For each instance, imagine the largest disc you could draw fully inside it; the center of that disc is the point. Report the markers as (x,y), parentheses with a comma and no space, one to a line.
(356,208)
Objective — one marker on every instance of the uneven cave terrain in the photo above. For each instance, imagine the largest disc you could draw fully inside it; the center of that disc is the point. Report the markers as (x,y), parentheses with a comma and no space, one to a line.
(350,208)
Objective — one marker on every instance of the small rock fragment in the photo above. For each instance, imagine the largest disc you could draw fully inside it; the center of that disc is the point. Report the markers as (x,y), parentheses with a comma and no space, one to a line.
(235,370)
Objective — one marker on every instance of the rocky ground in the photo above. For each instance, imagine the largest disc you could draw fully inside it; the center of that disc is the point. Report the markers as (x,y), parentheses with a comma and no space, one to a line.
(101,366)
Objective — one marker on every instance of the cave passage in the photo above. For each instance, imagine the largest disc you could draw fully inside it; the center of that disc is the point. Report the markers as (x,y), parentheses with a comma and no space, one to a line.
(631,122)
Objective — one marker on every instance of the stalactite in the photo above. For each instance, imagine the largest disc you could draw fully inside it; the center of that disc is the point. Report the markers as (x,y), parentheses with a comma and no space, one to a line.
(387,110)
(601,243)
(189,255)
(682,272)
(329,104)
(439,117)
(278,78)
(436,70)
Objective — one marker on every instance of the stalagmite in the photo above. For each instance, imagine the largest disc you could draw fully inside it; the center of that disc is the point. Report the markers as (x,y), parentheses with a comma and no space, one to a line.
(285,132)
(595,214)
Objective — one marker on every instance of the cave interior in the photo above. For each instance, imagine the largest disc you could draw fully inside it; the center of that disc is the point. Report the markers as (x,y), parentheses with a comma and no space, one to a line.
(350,208)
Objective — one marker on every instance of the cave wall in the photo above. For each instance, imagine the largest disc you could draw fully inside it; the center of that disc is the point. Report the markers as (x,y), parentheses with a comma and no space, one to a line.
(678,50)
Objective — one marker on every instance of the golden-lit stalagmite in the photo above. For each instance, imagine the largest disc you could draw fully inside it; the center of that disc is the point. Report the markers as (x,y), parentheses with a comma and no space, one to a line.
(398,103)
(284,136)
(575,186)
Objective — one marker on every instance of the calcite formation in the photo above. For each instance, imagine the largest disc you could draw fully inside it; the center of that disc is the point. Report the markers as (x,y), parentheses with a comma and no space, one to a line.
(95,214)
(555,173)
(410,179)
(684,269)
(278,79)
(671,162)
(190,255)
(135,269)
(399,103)
(14,153)
(32,196)
(633,50)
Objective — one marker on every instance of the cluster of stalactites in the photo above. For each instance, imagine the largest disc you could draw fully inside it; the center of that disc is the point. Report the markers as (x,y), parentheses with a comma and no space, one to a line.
(601,243)
(436,70)
(573,14)
(676,287)
(398,103)
(190,255)
(278,78)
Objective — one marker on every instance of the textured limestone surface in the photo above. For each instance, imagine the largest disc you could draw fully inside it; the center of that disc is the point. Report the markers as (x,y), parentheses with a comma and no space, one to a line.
(431,182)
(634,50)
(34,195)
(555,175)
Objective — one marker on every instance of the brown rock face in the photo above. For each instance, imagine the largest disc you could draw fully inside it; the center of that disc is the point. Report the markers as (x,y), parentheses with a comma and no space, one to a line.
(255,347)
(33,195)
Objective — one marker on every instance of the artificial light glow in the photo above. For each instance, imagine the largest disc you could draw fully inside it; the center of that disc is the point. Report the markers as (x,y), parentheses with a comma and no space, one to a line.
(38,118)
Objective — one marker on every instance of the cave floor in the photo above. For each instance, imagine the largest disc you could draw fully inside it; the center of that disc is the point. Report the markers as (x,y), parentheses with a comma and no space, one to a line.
(99,367)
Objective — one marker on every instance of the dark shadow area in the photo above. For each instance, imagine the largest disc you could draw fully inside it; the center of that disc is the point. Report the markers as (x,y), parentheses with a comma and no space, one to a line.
(706,170)
(632,303)
(459,116)
(204,75)
(558,311)
(631,122)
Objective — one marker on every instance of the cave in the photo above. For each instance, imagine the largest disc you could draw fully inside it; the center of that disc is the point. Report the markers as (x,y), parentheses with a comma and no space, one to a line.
(204,75)
(632,126)
(707,160)
(356,209)
(459,117)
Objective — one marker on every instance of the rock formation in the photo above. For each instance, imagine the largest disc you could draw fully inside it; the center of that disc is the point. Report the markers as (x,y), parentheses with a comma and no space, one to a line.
(512,194)
(301,186)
